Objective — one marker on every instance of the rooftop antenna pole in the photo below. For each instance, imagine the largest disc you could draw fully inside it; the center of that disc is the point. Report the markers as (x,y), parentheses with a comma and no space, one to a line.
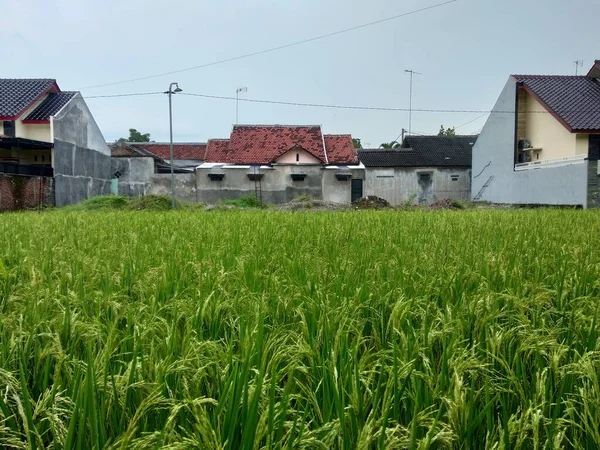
(412,72)
(578,64)
(237,100)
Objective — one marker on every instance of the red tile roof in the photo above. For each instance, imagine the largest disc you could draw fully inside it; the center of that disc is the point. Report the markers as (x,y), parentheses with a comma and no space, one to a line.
(262,144)
(191,150)
(340,149)
(216,150)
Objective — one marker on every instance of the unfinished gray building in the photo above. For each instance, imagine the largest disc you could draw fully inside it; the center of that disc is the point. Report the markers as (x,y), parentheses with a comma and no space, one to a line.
(424,170)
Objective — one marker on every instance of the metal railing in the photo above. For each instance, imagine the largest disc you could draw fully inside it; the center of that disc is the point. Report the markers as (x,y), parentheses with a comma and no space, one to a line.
(544,163)
(26,169)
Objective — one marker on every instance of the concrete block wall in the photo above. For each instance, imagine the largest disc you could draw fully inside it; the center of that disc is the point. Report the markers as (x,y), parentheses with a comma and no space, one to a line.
(401,184)
(25,192)
(81,157)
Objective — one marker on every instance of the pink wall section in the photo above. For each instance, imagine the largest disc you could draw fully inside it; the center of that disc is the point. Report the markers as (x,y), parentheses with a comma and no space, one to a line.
(303,156)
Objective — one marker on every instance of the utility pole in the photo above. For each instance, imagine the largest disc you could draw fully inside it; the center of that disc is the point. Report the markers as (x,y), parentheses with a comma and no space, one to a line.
(578,64)
(237,99)
(403,131)
(170,92)
(412,72)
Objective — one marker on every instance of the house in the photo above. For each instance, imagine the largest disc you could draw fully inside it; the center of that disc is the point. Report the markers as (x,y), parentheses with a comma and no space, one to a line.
(541,142)
(143,168)
(279,163)
(424,170)
(186,155)
(51,150)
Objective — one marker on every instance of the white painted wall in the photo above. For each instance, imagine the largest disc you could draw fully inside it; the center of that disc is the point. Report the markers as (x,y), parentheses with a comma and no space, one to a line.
(302,155)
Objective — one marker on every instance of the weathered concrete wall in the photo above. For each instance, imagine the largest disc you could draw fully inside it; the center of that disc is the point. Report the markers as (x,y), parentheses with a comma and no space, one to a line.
(138,179)
(136,173)
(493,155)
(185,186)
(339,191)
(400,185)
(82,166)
(24,192)
(277,185)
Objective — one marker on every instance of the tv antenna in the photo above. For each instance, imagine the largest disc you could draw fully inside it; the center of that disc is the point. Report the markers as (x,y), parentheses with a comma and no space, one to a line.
(578,64)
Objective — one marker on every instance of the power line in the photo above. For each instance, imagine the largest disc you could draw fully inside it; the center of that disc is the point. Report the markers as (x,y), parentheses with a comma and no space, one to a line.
(137,94)
(471,121)
(273,49)
(350,107)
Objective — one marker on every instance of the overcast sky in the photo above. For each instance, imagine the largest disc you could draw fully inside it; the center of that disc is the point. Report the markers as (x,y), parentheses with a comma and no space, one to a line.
(465,51)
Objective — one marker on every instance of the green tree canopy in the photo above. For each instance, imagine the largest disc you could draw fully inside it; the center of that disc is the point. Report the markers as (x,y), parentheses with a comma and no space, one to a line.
(356,142)
(136,136)
(447,132)
(390,145)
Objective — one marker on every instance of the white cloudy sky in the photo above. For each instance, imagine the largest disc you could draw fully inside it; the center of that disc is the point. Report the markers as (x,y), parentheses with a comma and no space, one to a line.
(465,50)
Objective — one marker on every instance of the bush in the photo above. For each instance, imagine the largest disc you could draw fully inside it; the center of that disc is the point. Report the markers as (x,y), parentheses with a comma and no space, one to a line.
(152,203)
(248,201)
(104,202)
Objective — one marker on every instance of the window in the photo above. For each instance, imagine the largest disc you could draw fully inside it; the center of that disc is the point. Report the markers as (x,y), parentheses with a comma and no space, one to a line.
(35,158)
(43,158)
(454,177)
(297,157)
(9,128)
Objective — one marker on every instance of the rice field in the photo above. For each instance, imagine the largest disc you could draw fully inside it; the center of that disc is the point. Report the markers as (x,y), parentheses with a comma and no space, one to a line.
(271,330)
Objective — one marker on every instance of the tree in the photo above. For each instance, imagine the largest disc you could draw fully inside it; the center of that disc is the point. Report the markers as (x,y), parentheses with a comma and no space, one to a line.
(390,145)
(447,131)
(136,136)
(356,143)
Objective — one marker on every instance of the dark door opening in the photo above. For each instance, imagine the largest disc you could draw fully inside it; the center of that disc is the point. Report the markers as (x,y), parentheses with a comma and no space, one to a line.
(357,190)
(425,182)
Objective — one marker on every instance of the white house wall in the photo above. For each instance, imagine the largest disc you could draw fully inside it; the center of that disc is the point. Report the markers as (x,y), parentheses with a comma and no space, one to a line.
(276,185)
(493,156)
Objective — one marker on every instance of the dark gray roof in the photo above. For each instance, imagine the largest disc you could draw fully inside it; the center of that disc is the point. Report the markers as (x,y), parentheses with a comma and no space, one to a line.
(574,100)
(50,106)
(16,94)
(423,151)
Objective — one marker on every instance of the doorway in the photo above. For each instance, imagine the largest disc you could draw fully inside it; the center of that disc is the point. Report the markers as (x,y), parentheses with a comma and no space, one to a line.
(425,182)
(357,190)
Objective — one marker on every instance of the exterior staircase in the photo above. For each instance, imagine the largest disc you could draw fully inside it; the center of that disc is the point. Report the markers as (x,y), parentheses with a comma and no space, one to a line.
(483,188)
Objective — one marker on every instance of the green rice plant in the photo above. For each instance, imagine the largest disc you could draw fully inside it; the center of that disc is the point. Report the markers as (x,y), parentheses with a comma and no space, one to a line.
(274,330)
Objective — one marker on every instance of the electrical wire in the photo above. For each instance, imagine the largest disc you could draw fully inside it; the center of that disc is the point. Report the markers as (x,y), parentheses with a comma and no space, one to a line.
(471,121)
(330,106)
(273,49)
(137,94)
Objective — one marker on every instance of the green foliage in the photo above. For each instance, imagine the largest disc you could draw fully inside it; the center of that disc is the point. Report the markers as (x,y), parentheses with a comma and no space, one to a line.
(273,330)
(390,145)
(135,136)
(153,203)
(457,204)
(103,202)
(356,142)
(247,201)
(447,131)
